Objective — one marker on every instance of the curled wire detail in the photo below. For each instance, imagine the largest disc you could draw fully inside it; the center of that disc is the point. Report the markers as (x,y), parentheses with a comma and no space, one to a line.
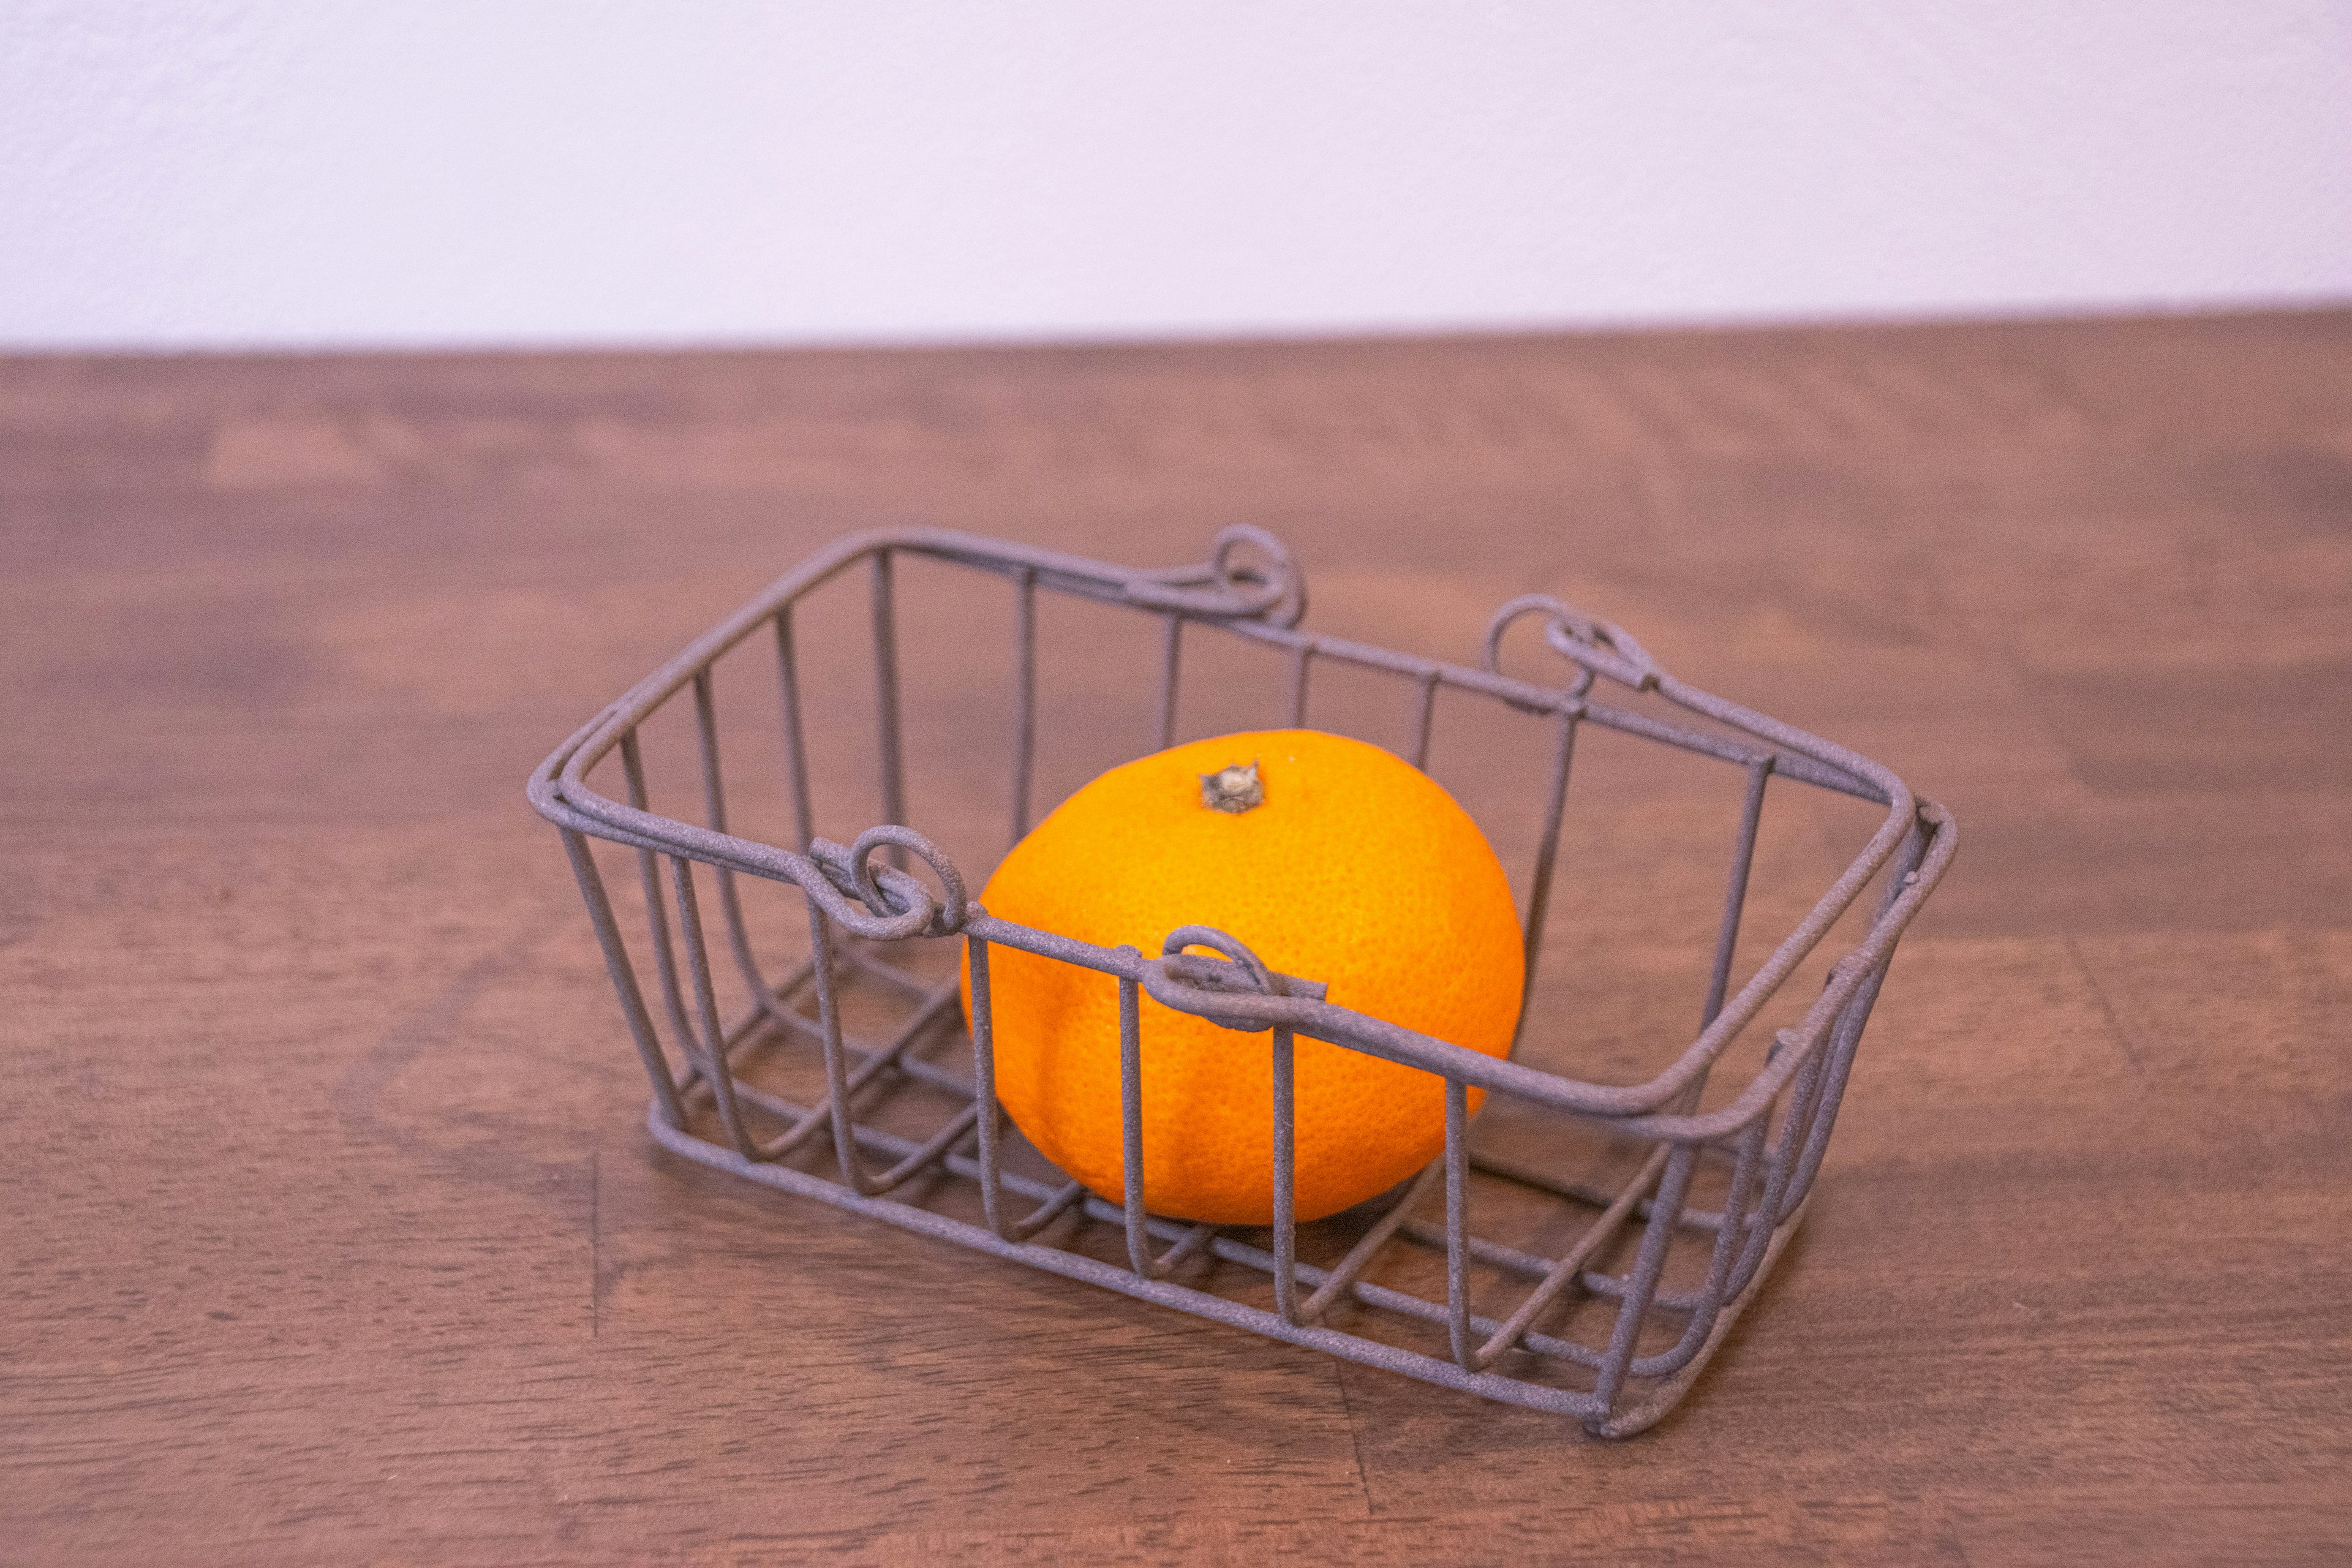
(896,904)
(1230,585)
(1598,648)
(1262,980)
(1218,989)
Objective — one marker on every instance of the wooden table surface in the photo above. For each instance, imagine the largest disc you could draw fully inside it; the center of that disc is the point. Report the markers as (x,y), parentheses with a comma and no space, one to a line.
(333,1232)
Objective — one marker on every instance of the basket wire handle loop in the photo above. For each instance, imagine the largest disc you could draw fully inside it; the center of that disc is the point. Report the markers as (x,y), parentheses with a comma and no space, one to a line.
(1280,571)
(891,893)
(825,878)
(1599,647)
(1262,980)
(1228,587)
(1513,610)
(1602,646)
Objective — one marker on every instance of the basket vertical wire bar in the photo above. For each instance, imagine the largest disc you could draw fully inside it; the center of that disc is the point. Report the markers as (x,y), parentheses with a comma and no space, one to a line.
(836,1073)
(1547,855)
(983,1083)
(788,684)
(1837,1062)
(1804,1100)
(633,765)
(989,1118)
(1302,653)
(1735,902)
(1634,1306)
(890,755)
(1777,1152)
(1171,653)
(1570,1268)
(712,1041)
(1734,893)
(1730,1238)
(1024,721)
(1457,1220)
(840,1087)
(714,800)
(1424,713)
(1285,1183)
(1758,1224)
(1846,1034)
(625,975)
(1131,1119)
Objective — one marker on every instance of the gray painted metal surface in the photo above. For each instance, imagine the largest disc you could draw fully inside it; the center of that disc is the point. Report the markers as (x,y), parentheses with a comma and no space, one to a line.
(1628,1344)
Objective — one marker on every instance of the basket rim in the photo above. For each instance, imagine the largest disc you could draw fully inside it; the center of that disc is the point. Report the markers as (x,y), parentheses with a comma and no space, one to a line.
(1265,604)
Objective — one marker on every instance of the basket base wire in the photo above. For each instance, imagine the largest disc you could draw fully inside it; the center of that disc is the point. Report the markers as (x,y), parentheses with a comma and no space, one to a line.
(1587,1408)
(1148,1280)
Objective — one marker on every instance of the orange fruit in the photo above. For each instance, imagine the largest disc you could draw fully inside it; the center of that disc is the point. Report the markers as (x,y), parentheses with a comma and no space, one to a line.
(1352,867)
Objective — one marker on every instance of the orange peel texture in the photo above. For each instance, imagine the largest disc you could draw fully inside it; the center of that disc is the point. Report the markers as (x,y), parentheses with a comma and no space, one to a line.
(1354,868)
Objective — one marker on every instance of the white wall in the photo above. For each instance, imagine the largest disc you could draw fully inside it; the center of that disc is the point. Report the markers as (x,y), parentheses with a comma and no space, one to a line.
(354,172)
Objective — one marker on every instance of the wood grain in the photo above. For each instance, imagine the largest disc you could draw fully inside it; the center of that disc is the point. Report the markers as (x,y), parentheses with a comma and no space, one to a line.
(333,1234)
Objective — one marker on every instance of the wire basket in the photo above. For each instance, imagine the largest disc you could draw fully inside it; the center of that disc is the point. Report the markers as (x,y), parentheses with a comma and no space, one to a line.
(1590,1264)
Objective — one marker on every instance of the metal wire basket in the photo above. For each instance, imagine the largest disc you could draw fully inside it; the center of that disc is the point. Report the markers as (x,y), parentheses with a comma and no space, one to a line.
(1591,1267)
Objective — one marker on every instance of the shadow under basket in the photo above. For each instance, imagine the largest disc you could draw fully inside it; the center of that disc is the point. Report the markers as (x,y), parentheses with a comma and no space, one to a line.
(1580,1247)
